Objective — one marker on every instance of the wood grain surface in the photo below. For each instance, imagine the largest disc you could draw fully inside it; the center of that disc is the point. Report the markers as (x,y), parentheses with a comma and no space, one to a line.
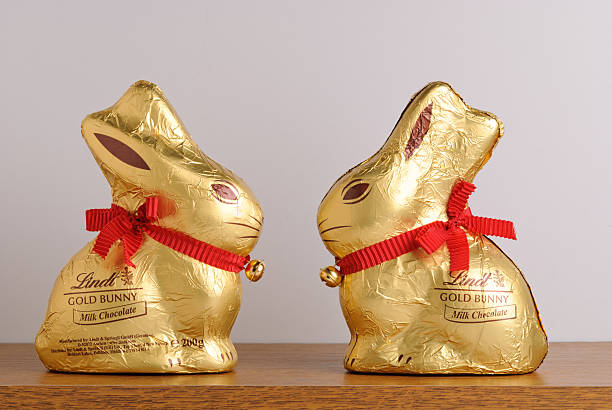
(574,375)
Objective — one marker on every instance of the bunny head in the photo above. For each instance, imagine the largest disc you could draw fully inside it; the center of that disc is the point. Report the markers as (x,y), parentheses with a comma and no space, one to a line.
(144,150)
(437,140)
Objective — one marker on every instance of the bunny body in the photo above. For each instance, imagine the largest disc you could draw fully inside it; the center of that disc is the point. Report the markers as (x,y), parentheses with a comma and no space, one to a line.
(194,306)
(411,314)
(171,312)
(396,314)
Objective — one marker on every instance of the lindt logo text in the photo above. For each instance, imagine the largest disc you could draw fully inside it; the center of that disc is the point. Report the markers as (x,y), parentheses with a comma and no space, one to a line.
(464,280)
(86,281)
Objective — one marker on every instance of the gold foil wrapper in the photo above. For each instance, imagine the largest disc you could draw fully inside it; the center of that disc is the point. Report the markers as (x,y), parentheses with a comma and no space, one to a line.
(171,313)
(411,314)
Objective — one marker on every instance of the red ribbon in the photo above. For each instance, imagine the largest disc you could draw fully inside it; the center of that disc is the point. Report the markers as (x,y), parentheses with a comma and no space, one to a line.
(117,224)
(432,236)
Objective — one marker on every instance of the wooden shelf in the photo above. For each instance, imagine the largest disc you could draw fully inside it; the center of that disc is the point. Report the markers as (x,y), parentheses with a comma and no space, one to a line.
(311,375)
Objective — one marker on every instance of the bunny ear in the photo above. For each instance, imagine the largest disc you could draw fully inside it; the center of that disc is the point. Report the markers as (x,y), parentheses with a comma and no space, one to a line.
(145,108)
(145,121)
(145,112)
(414,123)
(420,128)
(122,151)
(438,117)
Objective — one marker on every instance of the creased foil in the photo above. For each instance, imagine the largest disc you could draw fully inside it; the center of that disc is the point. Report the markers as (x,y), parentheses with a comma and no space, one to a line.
(171,313)
(411,314)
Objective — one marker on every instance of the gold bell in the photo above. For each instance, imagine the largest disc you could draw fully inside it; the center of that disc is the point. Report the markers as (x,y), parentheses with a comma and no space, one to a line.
(254,270)
(331,276)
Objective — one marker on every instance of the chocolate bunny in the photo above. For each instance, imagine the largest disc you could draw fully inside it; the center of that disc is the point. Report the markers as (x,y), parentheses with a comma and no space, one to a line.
(159,289)
(422,289)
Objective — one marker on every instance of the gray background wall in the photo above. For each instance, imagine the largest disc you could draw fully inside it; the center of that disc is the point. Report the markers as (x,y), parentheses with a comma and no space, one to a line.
(290,95)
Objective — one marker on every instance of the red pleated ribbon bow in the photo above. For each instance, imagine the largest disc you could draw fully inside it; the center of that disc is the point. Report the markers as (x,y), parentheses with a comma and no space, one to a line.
(117,224)
(432,236)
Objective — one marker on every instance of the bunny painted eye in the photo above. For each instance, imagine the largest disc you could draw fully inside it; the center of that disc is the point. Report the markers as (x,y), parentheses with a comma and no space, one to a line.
(355,191)
(224,192)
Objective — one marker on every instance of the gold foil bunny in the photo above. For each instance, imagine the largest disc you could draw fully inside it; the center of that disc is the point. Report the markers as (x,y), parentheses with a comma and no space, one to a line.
(421,288)
(159,289)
